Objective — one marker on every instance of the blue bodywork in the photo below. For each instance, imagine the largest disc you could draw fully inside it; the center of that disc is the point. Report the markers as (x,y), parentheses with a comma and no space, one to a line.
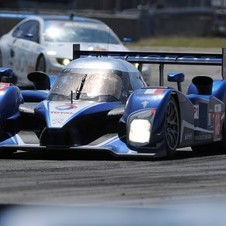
(102,103)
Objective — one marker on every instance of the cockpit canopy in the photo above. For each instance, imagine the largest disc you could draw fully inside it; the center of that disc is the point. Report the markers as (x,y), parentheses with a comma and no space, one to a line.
(98,79)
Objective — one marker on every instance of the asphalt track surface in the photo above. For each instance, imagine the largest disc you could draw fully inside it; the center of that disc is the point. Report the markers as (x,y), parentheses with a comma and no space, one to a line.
(69,179)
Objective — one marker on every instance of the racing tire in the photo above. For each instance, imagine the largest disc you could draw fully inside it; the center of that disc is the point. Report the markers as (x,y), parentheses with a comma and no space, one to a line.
(41,64)
(172,127)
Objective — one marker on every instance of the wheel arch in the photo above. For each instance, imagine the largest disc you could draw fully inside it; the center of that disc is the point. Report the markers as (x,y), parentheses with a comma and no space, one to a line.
(153,105)
(176,97)
(41,55)
(172,125)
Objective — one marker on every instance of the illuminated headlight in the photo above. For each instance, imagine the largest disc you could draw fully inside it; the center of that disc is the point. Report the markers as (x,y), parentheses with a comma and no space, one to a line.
(51,53)
(140,131)
(63,61)
(136,65)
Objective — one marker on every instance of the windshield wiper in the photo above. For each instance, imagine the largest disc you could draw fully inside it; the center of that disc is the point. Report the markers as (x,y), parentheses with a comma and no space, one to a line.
(79,89)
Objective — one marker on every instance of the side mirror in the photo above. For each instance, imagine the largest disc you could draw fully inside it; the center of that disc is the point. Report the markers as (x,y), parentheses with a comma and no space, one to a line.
(40,80)
(7,75)
(177,77)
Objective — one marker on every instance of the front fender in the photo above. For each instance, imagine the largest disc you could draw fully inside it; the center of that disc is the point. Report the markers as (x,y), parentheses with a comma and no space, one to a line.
(146,104)
(151,104)
(152,100)
(10,100)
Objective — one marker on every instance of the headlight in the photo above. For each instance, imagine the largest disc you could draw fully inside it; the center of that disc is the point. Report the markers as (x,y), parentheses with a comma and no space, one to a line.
(63,61)
(136,65)
(51,53)
(140,131)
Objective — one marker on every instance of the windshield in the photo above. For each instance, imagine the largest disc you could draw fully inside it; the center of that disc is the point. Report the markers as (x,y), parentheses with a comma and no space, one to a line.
(69,31)
(88,86)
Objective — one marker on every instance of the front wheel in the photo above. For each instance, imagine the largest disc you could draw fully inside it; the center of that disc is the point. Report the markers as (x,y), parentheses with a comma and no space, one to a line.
(172,127)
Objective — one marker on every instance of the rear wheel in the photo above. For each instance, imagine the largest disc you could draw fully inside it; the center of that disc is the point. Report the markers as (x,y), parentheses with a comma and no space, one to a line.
(172,127)
(41,64)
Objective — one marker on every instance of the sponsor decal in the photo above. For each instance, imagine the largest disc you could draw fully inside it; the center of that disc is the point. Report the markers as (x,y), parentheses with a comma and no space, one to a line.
(215,121)
(188,136)
(144,104)
(64,107)
(57,121)
(217,125)
(196,111)
(217,108)
(61,112)
(186,131)
(210,119)
(203,137)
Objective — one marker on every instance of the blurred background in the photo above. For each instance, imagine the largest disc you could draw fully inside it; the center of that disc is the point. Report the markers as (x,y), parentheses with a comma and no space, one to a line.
(134,19)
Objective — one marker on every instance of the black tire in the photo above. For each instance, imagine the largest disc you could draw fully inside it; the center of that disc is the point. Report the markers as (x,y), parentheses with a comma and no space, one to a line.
(172,127)
(41,64)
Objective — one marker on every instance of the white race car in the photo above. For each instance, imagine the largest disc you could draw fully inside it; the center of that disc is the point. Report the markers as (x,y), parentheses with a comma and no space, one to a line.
(44,43)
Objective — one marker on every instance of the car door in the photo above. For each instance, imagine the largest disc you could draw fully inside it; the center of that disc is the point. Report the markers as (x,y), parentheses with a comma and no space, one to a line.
(24,49)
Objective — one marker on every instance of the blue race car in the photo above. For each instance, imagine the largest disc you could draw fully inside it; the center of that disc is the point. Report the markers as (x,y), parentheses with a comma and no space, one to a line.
(101,103)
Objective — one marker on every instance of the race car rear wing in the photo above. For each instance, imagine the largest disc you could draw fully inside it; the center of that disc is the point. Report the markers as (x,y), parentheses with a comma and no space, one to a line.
(161,58)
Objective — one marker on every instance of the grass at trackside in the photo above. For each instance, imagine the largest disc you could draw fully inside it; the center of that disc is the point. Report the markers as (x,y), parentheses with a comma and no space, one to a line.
(190,42)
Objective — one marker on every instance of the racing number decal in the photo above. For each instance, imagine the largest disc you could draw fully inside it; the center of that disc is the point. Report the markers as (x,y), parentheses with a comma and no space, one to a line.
(217,124)
(217,121)
(196,111)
